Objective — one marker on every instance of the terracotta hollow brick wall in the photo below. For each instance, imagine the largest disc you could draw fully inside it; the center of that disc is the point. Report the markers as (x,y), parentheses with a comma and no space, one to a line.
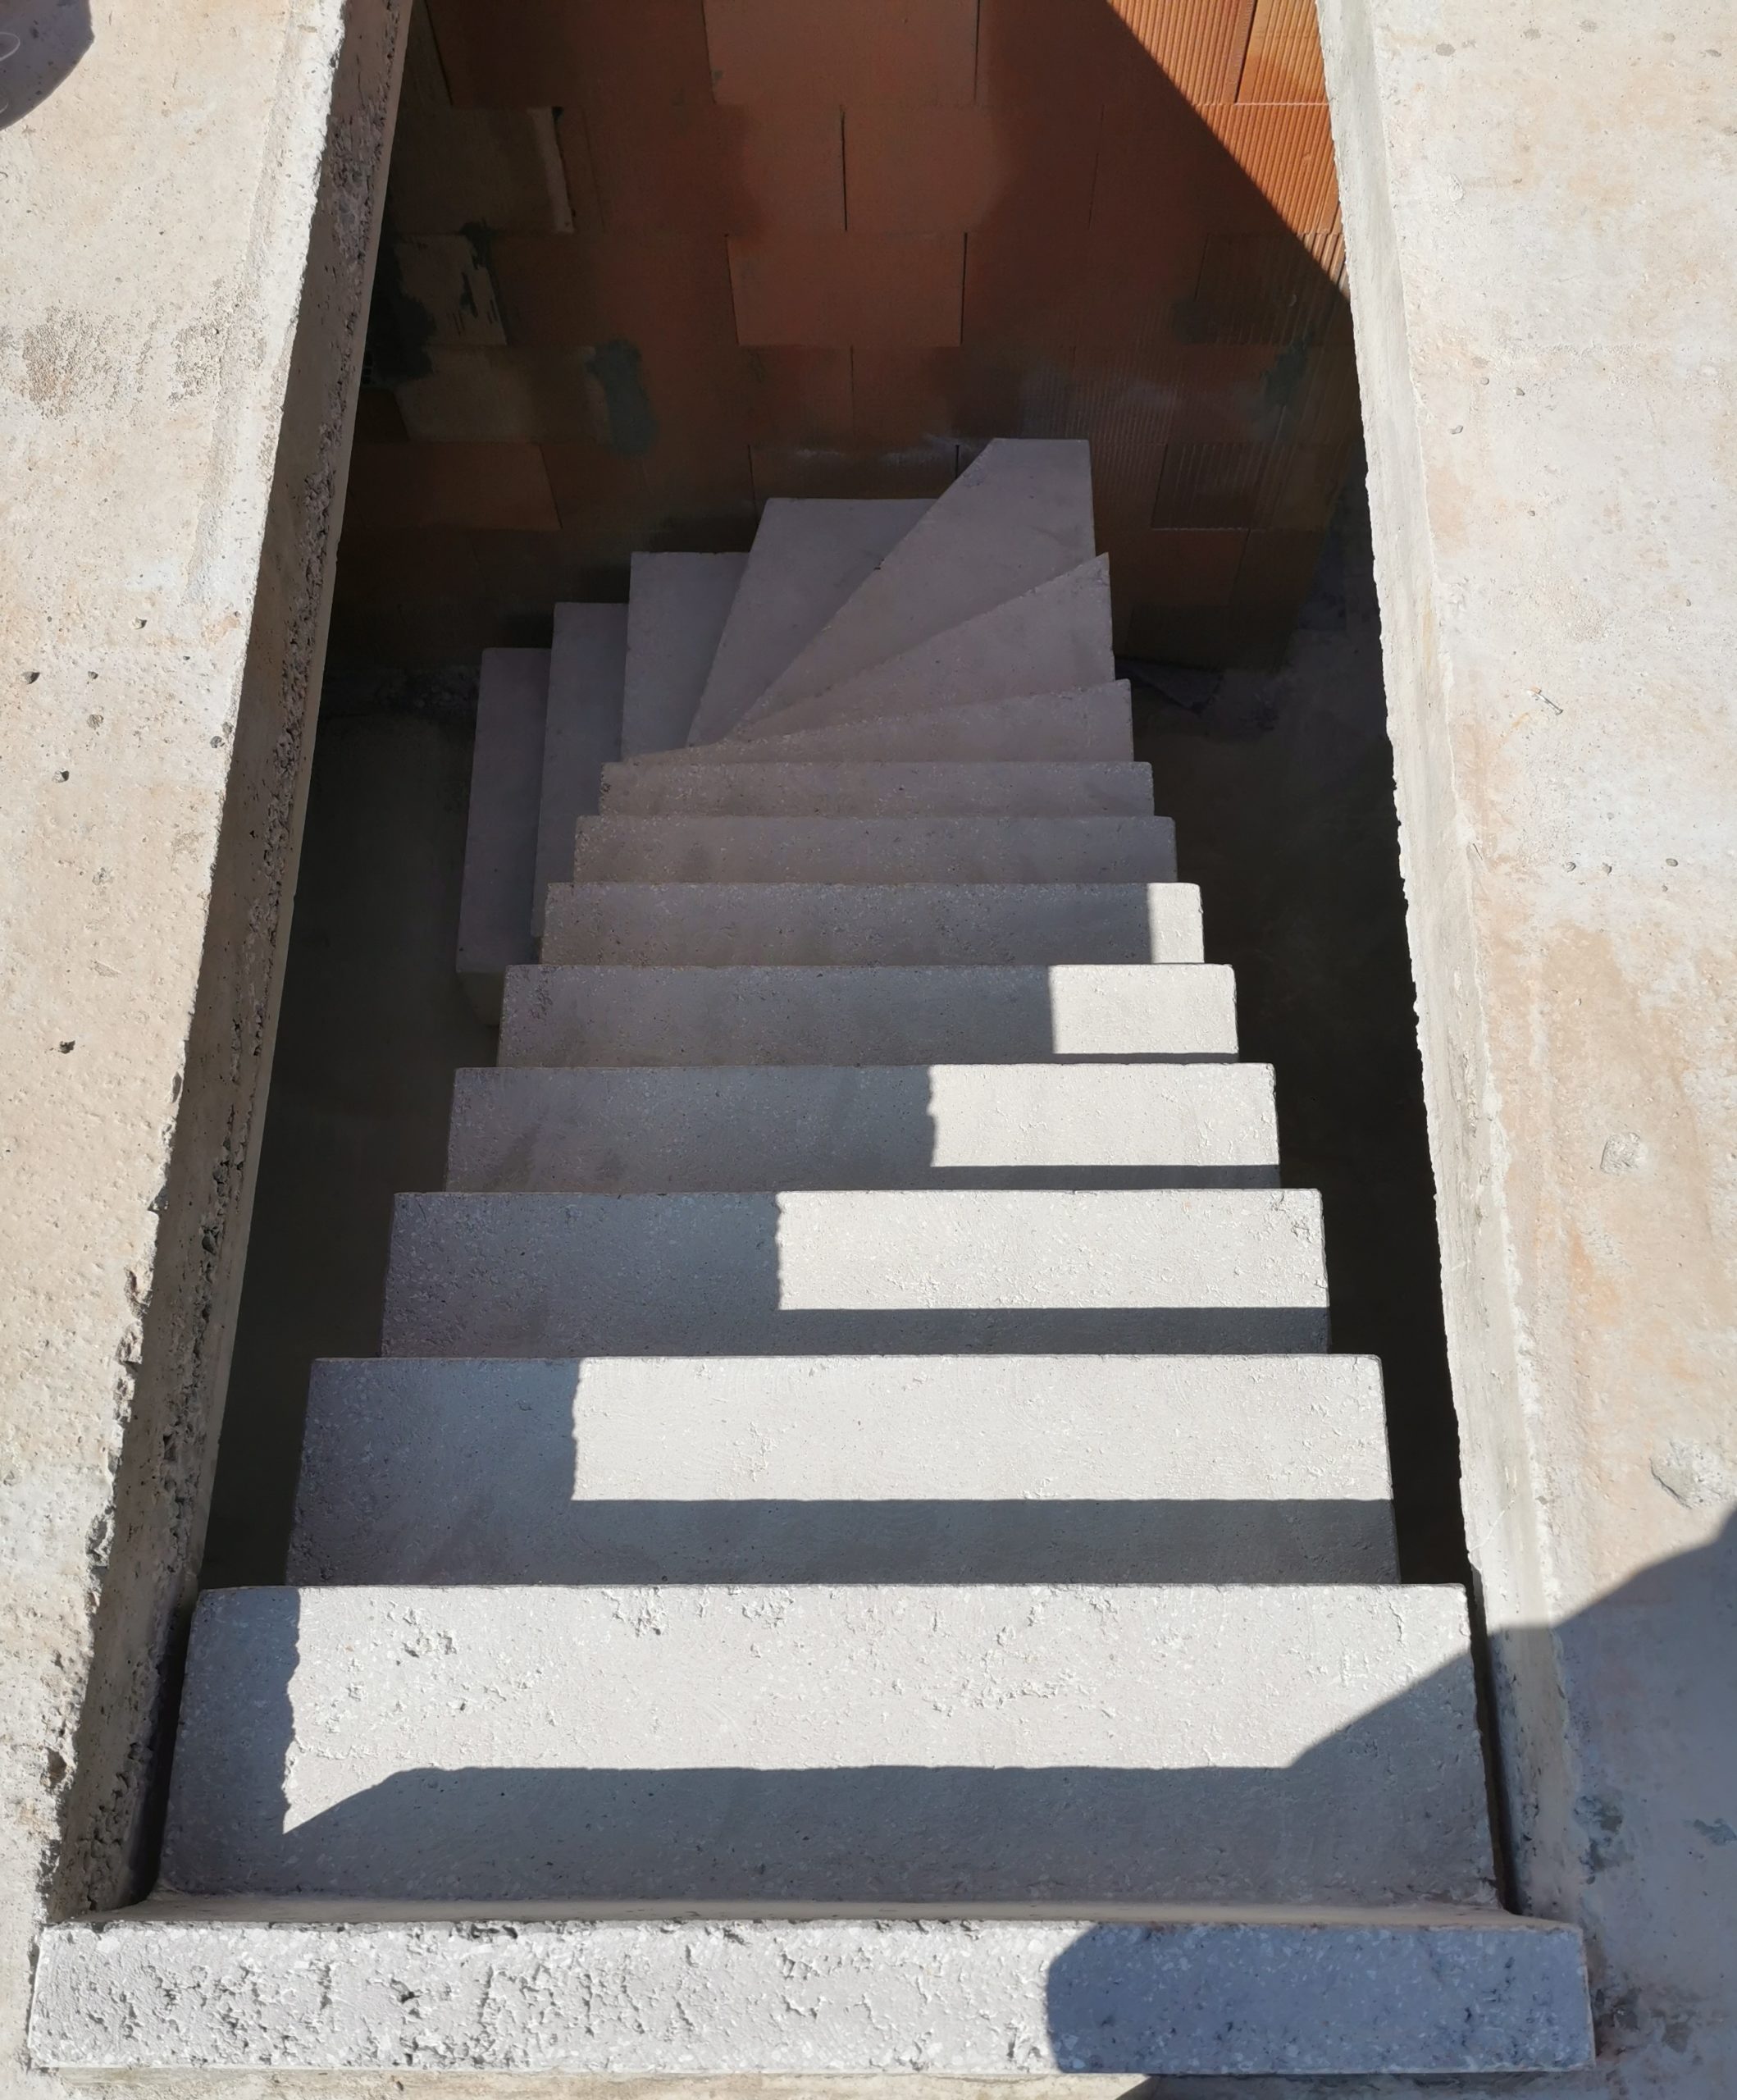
(649,261)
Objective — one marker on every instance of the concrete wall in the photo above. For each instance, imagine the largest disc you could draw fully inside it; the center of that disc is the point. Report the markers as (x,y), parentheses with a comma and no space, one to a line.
(1541,208)
(188,198)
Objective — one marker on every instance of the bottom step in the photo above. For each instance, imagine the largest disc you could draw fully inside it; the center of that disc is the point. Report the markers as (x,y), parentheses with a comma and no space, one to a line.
(177,1987)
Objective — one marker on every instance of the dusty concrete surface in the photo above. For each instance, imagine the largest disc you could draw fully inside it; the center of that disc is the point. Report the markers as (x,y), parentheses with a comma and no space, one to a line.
(188,204)
(1541,208)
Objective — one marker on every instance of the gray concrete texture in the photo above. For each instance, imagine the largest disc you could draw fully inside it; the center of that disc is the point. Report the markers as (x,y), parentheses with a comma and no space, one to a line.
(494,913)
(878,1014)
(990,787)
(1018,516)
(844,1469)
(582,732)
(891,849)
(1053,638)
(857,1744)
(1233,1270)
(1095,723)
(872,923)
(807,559)
(849,1126)
(703,2005)
(676,607)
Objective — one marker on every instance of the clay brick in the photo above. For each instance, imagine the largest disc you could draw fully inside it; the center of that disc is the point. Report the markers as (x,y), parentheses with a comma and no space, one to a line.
(567,290)
(688,166)
(1212,486)
(394,568)
(1322,406)
(1062,53)
(796,396)
(843,51)
(537,54)
(789,470)
(914,170)
(452,168)
(1302,486)
(1263,288)
(1286,151)
(1197,566)
(501,394)
(1198,45)
(1283,62)
(378,419)
(442,277)
(411,487)
(902,400)
(848,288)
(1023,289)
(598,494)
(1278,570)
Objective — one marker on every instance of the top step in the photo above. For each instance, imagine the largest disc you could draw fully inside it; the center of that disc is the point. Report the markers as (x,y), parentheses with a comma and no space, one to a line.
(1018,516)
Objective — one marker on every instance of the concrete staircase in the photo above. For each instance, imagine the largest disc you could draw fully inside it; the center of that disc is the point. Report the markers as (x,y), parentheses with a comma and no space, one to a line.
(854,1556)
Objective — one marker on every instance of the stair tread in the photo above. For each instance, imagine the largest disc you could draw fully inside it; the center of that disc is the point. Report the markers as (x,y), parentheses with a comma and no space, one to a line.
(814,922)
(962,1469)
(1019,514)
(748,1013)
(674,1127)
(809,555)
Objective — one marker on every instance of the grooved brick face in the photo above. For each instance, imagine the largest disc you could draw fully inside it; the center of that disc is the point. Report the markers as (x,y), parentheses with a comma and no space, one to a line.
(840,50)
(655,260)
(876,289)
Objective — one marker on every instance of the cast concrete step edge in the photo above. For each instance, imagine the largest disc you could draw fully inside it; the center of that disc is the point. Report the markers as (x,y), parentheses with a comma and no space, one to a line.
(1097,723)
(846,1469)
(872,922)
(891,849)
(840,788)
(494,897)
(667,1127)
(178,1985)
(1230,1271)
(1019,515)
(872,1015)
(1052,639)
(677,608)
(587,674)
(809,555)
(857,1743)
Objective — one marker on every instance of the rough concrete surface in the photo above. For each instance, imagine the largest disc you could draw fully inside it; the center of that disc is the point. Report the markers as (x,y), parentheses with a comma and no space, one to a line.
(999,1998)
(872,1014)
(1093,724)
(856,1743)
(1540,210)
(992,786)
(677,608)
(188,218)
(858,1469)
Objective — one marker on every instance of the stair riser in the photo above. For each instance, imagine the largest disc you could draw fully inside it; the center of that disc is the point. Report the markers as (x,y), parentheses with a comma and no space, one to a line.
(677,608)
(806,1273)
(910,1126)
(870,923)
(685,849)
(1097,725)
(870,790)
(784,1017)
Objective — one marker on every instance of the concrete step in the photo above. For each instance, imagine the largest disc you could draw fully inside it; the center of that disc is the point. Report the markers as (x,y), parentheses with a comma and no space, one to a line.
(1019,515)
(1095,724)
(899,849)
(809,555)
(778,1014)
(673,1127)
(857,1744)
(1431,1988)
(587,675)
(677,608)
(840,788)
(846,1469)
(873,922)
(1237,1271)
(1054,638)
(494,900)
